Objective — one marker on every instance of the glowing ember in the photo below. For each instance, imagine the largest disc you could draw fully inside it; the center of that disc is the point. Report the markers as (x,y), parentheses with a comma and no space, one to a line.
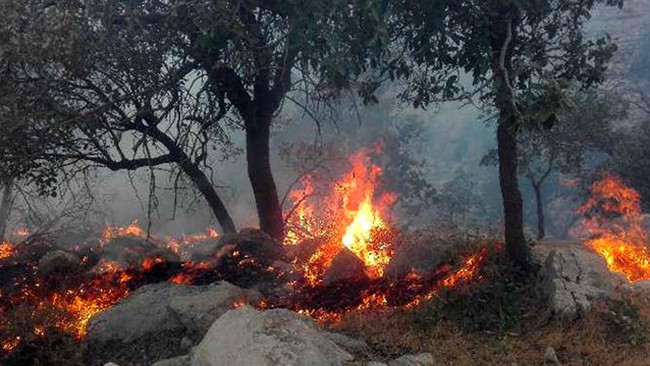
(614,225)
(6,250)
(112,232)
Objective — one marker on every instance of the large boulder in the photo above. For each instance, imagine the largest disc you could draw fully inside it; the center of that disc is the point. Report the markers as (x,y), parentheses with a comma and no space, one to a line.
(199,309)
(573,276)
(246,336)
(155,321)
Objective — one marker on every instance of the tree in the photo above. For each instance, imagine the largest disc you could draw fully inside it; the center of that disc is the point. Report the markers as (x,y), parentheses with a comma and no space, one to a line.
(584,128)
(93,92)
(519,55)
(255,53)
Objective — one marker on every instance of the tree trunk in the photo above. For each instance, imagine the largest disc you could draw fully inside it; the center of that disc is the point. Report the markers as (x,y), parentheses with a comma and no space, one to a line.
(261,177)
(502,40)
(540,211)
(5,208)
(512,202)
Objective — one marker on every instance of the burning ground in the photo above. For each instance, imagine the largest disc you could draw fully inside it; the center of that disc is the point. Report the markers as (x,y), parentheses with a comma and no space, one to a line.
(341,255)
(342,260)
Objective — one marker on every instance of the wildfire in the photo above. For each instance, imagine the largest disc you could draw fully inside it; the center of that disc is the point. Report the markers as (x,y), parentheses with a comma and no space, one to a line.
(614,225)
(349,217)
(347,220)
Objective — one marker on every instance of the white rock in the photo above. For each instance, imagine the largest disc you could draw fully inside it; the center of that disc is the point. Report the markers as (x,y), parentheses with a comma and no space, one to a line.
(246,336)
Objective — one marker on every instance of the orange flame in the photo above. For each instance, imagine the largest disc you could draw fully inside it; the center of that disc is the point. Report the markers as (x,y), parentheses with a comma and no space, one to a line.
(622,242)
(113,232)
(349,217)
(6,250)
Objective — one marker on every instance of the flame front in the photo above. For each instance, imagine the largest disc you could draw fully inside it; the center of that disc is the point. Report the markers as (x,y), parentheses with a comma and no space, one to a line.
(614,225)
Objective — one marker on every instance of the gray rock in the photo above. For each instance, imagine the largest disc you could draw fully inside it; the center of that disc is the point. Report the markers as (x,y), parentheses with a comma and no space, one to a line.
(145,312)
(160,321)
(573,277)
(246,336)
(376,363)
(421,359)
(58,262)
(197,310)
(348,343)
(345,266)
(176,361)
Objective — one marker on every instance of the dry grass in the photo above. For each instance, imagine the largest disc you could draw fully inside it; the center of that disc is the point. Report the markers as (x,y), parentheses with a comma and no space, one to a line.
(586,341)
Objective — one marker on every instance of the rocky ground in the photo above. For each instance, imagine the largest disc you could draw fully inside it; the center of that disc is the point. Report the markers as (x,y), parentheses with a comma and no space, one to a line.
(174,325)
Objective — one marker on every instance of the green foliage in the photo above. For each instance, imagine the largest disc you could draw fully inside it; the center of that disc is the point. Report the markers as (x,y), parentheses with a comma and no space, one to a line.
(625,321)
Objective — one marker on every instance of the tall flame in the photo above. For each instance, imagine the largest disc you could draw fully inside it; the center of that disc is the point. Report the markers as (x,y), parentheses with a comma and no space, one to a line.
(349,216)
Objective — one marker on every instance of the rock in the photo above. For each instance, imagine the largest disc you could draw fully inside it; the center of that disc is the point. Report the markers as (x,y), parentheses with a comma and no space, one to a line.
(376,363)
(352,345)
(421,359)
(146,311)
(421,253)
(246,336)
(176,361)
(160,321)
(58,263)
(199,309)
(550,358)
(110,364)
(345,266)
(573,277)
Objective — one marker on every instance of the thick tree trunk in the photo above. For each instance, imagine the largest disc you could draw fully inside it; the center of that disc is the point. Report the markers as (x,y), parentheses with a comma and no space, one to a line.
(541,232)
(5,208)
(512,202)
(503,37)
(261,177)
